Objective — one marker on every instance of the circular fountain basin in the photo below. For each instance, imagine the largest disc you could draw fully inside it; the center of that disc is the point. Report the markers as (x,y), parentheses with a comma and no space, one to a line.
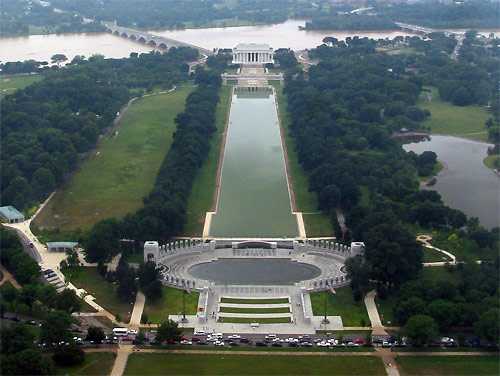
(251,271)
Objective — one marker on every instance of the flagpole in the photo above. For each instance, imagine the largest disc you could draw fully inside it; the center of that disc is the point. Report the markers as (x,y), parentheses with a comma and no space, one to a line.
(325,320)
(183,305)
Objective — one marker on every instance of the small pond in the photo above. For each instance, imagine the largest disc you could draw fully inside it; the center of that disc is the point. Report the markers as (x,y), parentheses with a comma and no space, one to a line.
(250,271)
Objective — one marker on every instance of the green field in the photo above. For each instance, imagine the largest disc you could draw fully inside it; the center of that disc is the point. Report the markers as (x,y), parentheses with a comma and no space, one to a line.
(448,365)
(114,182)
(437,273)
(170,304)
(104,292)
(306,202)
(492,161)
(385,309)
(431,255)
(341,304)
(94,364)
(10,84)
(228,364)
(201,197)
(254,301)
(457,120)
(254,310)
(260,320)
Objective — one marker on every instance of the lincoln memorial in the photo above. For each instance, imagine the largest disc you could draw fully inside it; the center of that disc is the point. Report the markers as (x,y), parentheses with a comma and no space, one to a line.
(251,53)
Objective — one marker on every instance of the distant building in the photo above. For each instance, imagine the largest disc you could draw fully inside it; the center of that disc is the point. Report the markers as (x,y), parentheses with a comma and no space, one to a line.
(11,214)
(61,246)
(253,53)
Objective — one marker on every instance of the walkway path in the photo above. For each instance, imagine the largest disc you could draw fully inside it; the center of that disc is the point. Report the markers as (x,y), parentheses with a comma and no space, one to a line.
(424,238)
(135,319)
(389,361)
(8,277)
(371,308)
(121,360)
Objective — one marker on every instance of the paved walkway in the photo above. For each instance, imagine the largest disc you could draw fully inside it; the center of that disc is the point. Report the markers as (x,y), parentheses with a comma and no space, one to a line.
(135,319)
(8,277)
(371,308)
(425,240)
(389,361)
(121,360)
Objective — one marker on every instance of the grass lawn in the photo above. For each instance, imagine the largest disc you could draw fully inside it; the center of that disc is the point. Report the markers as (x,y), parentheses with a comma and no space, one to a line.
(305,201)
(136,258)
(89,279)
(249,320)
(201,198)
(492,161)
(448,365)
(441,273)
(436,170)
(227,364)
(431,255)
(341,304)
(254,310)
(385,309)
(254,301)
(9,85)
(449,119)
(114,182)
(170,304)
(94,364)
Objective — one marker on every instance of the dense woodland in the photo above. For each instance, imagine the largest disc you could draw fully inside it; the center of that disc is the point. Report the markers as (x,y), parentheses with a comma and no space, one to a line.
(21,17)
(343,113)
(48,125)
(161,14)
(430,13)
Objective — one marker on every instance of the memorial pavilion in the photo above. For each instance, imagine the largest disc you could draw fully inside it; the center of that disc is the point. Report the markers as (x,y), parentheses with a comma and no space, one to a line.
(253,53)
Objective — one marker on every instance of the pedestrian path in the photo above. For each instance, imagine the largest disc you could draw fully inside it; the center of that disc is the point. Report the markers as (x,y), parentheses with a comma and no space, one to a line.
(371,308)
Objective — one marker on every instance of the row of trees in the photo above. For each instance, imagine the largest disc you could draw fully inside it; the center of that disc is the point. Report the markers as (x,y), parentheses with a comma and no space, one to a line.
(48,125)
(164,211)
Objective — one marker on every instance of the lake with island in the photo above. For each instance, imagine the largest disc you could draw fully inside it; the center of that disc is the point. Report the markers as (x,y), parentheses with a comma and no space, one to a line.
(466,183)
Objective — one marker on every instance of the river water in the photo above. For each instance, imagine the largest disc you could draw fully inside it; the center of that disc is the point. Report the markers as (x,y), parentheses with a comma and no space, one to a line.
(467,184)
(286,34)
(253,200)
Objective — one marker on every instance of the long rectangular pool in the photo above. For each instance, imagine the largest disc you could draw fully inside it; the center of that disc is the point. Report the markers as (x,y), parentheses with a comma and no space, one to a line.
(254,200)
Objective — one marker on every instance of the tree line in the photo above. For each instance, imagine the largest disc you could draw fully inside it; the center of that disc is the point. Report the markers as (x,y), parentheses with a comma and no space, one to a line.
(47,126)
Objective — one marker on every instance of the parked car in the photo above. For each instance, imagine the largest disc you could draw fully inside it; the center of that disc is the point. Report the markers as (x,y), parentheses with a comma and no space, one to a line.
(244,340)
(234,336)
(137,342)
(234,344)
(386,344)
(202,343)
(306,344)
(219,343)
(132,332)
(154,342)
(271,336)
(171,342)
(447,340)
(323,344)
(277,344)
(260,344)
(186,342)
(199,333)
(360,341)
(292,344)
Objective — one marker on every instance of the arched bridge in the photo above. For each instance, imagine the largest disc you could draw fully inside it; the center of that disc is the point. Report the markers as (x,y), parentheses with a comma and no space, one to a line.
(153,40)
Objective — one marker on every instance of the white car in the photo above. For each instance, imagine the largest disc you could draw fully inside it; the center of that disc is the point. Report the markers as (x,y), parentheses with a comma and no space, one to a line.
(217,335)
(333,342)
(219,343)
(323,344)
(271,336)
(199,333)
(211,339)
(291,340)
(184,342)
(278,340)
(132,332)
(447,340)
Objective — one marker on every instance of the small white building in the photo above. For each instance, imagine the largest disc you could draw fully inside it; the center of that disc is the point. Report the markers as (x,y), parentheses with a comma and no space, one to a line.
(253,53)
(11,214)
(61,246)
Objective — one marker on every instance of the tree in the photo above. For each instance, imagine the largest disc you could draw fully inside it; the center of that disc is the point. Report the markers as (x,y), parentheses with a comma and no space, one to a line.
(394,254)
(68,301)
(421,329)
(144,318)
(9,294)
(487,327)
(443,312)
(56,327)
(48,296)
(70,355)
(358,272)
(168,331)
(28,295)
(15,338)
(27,362)
(95,334)
(58,59)
(148,281)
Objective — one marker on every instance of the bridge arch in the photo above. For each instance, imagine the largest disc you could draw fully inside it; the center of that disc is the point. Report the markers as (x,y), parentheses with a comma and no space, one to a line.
(116,32)
(141,39)
(152,42)
(132,36)
(124,35)
(163,45)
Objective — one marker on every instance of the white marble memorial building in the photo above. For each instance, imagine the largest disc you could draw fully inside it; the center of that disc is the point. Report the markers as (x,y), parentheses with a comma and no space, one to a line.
(252,53)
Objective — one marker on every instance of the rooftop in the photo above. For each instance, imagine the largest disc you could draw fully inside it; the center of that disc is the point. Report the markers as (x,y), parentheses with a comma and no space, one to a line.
(62,244)
(10,212)
(253,47)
